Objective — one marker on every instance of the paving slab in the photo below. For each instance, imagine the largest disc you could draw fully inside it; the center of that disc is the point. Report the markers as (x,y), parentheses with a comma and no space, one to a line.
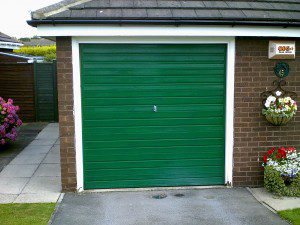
(28,159)
(48,135)
(52,158)
(12,185)
(55,149)
(43,185)
(57,142)
(16,170)
(275,202)
(40,198)
(42,142)
(234,206)
(36,149)
(48,170)
(6,198)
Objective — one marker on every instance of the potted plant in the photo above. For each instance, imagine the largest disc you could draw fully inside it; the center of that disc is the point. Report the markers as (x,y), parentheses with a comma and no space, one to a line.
(279,110)
(9,121)
(282,171)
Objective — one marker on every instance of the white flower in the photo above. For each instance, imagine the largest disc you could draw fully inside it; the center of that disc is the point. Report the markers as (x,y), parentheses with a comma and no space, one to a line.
(271,98)
(267,104)
(278,93)
(289,166)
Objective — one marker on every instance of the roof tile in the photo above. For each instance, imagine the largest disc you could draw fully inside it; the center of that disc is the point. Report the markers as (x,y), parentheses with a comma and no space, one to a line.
(184,13)
(232,14)
(134,13)
(121,3)
(208,13)
(95,3)
(238,4)
(215,4)
(194,4)
(159,13)
(145,3)
(168,3)
(110,13)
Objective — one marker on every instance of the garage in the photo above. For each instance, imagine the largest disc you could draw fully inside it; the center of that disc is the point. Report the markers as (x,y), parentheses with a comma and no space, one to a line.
(153,114)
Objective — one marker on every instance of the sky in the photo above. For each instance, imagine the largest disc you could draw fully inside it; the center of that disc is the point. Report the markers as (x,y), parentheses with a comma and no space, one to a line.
(14,13)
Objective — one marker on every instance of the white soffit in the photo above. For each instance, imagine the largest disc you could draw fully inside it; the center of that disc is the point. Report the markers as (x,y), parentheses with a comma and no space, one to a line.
(184,31)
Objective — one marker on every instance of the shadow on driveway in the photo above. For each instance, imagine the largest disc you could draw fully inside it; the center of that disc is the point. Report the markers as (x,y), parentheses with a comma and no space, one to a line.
(234,206)
(26,134)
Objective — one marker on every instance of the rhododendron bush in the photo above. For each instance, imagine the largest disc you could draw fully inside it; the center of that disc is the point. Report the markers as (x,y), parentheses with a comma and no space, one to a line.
(9,121)
(282,171)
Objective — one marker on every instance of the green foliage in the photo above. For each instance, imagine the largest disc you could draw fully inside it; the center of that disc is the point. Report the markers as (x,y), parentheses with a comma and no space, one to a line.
(292,216)
(274,183)
(49,52)
(26,214)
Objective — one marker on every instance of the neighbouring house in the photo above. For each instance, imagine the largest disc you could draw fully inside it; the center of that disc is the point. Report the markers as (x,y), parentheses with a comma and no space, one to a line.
(159,93)
(38,41)
(30,83)
(7,45)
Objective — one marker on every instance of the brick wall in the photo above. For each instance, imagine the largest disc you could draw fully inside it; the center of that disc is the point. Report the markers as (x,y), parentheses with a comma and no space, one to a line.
(66,119)
(253,135)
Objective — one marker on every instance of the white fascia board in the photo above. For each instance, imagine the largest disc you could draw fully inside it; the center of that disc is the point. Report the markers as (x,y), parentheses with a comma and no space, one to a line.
(164,31)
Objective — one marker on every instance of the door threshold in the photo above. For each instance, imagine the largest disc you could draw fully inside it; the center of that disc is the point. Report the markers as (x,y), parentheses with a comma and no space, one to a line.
(155,189)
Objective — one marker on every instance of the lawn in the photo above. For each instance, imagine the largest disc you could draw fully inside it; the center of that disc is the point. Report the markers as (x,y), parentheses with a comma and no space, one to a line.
(292,216)
(26,214)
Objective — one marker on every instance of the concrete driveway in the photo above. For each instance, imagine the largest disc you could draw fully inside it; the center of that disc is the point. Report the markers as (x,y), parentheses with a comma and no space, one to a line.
(182,207)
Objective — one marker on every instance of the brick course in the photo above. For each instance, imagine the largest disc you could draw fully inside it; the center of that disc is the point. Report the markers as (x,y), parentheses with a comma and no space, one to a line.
(252,134)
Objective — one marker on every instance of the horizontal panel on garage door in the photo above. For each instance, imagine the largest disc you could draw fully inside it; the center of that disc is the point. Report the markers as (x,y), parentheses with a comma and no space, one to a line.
(153,114)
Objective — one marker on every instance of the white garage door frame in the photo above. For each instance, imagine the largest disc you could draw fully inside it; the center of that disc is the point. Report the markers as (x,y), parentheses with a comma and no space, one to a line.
(159,39)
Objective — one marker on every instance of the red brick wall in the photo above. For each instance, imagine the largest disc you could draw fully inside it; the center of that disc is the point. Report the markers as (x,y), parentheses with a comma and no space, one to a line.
(66,119)
(253,135)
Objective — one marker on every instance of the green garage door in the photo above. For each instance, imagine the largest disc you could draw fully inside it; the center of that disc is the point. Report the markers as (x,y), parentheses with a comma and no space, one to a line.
(153,114)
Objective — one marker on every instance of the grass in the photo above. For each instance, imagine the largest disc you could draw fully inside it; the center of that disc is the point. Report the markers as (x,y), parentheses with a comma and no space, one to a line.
(26,214)
(292,216)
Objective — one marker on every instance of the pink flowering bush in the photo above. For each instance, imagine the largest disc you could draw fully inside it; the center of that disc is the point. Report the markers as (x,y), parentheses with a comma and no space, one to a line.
(9,121)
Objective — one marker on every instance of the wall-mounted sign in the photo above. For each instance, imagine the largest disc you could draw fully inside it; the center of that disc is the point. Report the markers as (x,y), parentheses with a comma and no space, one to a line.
(282,49)
(282,69)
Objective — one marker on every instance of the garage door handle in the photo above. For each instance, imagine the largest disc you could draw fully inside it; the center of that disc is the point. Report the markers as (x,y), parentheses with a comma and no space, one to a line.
(154,108)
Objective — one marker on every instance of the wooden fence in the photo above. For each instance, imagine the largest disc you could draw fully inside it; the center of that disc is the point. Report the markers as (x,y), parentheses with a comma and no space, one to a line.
(32,87)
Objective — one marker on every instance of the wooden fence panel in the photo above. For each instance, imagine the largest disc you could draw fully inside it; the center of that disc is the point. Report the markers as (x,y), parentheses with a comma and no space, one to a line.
(46,92)
(17,82)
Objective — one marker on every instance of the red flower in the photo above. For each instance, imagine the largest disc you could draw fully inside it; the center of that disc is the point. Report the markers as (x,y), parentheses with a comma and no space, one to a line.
(270,151)
(282,152)
(278,156)
(265,158)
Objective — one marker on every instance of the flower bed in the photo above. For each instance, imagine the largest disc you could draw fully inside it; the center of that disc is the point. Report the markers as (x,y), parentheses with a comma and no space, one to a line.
(279,110)
(9,121)
(282,171)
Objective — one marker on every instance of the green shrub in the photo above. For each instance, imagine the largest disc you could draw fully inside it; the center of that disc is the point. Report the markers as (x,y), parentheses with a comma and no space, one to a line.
(49,52)
(274,183)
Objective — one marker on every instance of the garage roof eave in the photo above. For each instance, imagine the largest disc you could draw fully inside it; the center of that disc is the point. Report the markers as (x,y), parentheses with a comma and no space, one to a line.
(35,22)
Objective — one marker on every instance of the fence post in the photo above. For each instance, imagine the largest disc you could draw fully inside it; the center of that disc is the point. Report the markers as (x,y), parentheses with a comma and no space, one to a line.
(35,90)
(55,97)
